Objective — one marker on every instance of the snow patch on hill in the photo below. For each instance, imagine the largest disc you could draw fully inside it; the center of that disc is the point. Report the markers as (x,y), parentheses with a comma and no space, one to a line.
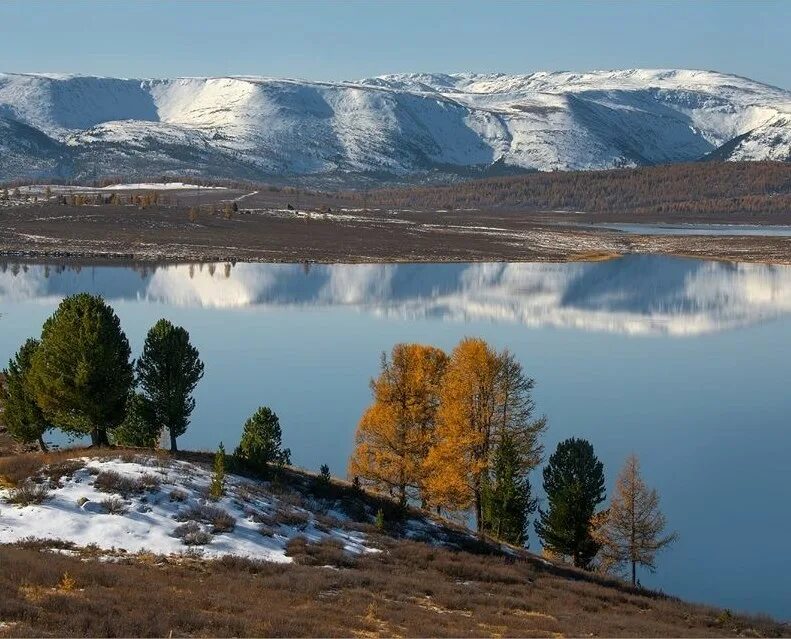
(169,495)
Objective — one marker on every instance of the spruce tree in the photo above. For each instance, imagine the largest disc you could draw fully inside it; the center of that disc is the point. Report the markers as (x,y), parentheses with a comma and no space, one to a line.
(261,443)
(21,414)
(507,502)
(168,372)
(574,485)
(81,372)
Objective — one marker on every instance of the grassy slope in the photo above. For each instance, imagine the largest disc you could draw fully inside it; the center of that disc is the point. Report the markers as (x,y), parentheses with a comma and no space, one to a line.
(414,588)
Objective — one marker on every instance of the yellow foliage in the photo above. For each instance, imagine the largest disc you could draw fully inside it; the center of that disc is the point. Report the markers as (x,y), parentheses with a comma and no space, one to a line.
(397,429)
(464,426)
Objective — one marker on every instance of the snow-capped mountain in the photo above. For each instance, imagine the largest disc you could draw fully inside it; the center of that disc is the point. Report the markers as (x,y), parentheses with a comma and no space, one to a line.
(398,125)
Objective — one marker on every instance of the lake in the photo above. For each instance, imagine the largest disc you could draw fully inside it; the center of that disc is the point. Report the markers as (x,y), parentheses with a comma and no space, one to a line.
(685,363)
(766,230)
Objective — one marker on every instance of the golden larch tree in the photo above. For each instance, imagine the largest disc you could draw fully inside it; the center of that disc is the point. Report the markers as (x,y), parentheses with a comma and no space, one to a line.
(456,464)
(396,431)
(631,530)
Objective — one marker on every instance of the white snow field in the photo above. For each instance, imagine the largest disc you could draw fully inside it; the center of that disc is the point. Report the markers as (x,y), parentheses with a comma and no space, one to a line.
(406,124)
(174,495)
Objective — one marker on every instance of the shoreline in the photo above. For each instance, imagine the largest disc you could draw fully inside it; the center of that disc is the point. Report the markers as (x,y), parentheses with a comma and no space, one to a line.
(167,235)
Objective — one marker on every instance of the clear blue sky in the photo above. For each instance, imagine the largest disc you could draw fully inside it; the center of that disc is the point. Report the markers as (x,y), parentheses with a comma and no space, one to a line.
(346,40)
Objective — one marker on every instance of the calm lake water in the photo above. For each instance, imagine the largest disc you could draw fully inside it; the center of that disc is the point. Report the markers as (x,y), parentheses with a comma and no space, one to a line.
(699,229)
(686,363)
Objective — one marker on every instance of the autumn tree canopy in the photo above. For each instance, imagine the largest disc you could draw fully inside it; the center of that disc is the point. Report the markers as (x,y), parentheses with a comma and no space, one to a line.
(396,431)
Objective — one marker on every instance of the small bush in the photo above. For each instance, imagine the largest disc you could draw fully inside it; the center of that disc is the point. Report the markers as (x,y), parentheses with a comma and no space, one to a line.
(56,472)
(191,534)
(150,482)
(293,518)
(222,522)
(266,531)
(114,505)
(109,481)
(28,493)
(178,495)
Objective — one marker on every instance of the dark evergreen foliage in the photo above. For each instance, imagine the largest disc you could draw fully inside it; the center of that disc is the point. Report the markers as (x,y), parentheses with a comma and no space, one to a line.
(574,484)
(507,502)
(139,427)
(81,373)
(261,444)
(20,413)
(168,372)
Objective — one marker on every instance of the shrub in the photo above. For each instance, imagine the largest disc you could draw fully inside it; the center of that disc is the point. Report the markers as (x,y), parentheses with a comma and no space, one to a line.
(114,505)
(191,534)
(266,531)
(293,518)
(150,482)
(28,493)
(109,481)
(380,519)
(56,472)
(178,495)
(222,522)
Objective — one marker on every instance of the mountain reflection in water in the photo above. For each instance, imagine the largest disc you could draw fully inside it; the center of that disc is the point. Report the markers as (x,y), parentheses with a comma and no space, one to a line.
(632,295)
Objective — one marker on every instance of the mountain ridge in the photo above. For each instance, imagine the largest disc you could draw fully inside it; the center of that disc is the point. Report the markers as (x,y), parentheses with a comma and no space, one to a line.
(404,125)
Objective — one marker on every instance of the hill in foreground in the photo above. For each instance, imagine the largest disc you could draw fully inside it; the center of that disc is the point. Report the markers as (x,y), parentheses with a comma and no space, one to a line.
(122,543)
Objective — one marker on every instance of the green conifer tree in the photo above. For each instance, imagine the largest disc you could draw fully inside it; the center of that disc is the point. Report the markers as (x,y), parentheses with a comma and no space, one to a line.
(574,484)
(217,487)
(81,372)
(21,414)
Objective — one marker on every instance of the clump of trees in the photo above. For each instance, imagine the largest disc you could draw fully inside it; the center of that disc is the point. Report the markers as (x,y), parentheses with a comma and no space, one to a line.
(455,433)
(79,378)
(458,433)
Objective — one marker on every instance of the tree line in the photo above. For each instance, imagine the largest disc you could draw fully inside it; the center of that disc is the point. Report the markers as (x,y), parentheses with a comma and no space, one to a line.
(458,433)
(703,187)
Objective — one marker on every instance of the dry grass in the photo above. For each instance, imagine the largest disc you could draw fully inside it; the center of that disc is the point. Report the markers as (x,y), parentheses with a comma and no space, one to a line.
(411,590)
(28,492)
(407,589)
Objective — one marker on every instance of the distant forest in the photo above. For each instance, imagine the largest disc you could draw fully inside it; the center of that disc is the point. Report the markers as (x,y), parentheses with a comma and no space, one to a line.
(706,187)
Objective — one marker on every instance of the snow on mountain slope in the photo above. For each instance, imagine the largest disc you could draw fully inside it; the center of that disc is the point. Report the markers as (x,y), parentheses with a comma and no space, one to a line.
(400,125)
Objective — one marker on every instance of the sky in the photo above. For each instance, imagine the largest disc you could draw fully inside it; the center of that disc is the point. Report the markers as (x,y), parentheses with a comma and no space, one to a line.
(326,40)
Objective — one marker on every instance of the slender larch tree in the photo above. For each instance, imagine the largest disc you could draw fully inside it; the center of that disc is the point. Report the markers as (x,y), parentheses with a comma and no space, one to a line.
(632,530)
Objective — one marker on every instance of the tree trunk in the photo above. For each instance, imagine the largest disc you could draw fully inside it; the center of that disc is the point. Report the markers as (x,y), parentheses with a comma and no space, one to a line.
(99,437)
(634,573)
(478,511)
(173,447)
(42,444)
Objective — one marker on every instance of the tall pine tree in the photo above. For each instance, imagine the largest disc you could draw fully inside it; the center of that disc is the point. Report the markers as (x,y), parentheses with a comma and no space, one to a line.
(21,414)
(168,372)
(81,373)
(574,484)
